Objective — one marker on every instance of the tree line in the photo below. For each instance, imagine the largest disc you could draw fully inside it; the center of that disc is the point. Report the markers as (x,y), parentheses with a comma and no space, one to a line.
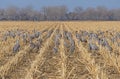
(61,13)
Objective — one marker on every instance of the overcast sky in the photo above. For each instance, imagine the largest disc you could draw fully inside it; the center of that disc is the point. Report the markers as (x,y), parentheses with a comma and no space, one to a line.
(37,4)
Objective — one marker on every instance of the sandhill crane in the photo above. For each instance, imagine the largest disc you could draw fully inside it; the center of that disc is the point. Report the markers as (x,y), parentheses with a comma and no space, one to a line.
(109,47)
(49,33)
(93,46)
(4,38)
(24,38)
(57,43)
(16,47)
(65,34)
(32,45)
(12,34)
(104,43)
(35,46)
(38,44)
(72,45)
(66,45)
(37,34)
(55,49)
(77,35)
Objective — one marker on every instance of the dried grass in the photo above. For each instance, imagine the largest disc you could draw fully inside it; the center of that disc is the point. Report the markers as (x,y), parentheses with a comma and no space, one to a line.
(82,64)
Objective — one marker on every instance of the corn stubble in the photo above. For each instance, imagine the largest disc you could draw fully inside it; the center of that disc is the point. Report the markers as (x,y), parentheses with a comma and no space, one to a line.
(54,59)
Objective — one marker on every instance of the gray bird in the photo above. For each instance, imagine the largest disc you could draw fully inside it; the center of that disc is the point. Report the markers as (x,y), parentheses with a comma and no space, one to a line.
(102,41)
(32,45)
(93,46)
(55,49)
(72,46)
(49,33)
(16,47)
(109,48)
(4,38)
(38,44)
(37,34)
(66,45)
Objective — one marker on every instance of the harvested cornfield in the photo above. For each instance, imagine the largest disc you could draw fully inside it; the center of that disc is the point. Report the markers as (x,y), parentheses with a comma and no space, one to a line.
(60,50)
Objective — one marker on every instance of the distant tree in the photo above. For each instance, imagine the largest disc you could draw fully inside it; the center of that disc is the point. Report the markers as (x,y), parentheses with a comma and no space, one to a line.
(116,14)
(11,13)
(2,14)
(54,12)
(102,13)
(59,13)
(78,11)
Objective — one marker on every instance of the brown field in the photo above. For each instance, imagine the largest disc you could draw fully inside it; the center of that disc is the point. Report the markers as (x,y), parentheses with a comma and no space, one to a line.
(46,62)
